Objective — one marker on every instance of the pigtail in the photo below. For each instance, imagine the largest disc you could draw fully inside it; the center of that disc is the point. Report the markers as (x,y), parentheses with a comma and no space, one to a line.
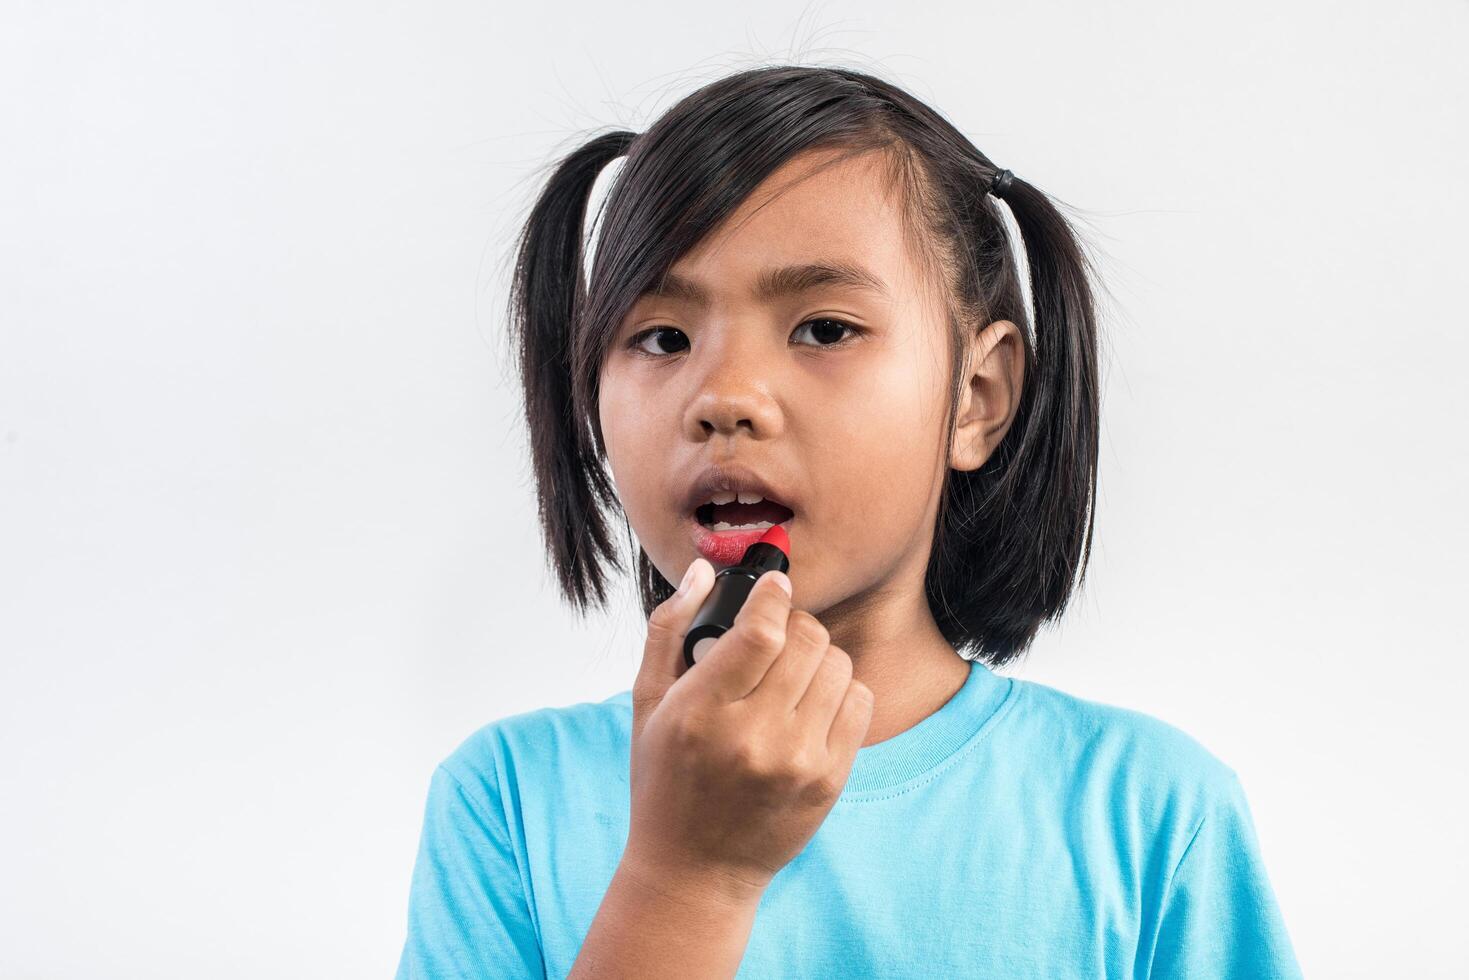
(547,295)
(1032,526)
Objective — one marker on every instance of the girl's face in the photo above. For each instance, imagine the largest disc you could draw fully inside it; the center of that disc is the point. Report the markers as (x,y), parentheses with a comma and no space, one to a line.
(846,421)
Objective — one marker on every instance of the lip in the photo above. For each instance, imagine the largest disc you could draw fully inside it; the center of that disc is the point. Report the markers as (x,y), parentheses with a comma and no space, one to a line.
(727,547)
(733,476)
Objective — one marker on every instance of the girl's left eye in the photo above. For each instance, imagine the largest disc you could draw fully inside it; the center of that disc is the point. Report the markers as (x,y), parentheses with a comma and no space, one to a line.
(832,326)
(825,327)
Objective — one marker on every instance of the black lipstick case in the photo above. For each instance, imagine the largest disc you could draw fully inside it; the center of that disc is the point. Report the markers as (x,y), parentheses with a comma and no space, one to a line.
(732,587)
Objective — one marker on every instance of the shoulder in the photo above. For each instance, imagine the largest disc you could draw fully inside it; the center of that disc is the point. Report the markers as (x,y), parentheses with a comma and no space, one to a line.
(1142,784)
(1132,754)
(586,736)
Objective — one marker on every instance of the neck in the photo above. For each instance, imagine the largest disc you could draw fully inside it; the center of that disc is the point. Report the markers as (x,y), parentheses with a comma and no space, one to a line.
(899,653)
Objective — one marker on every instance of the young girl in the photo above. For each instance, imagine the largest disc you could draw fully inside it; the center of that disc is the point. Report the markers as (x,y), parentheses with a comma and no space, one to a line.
(804,308)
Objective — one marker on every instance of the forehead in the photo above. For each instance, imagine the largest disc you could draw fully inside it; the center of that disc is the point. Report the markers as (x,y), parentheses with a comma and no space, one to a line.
(816,222)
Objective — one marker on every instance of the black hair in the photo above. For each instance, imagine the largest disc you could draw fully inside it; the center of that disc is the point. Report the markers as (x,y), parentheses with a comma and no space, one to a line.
(1013,537)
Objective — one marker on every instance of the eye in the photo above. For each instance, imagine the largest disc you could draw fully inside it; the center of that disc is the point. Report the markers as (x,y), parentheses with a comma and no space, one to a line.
(822,328)
(636,341)
(827,327)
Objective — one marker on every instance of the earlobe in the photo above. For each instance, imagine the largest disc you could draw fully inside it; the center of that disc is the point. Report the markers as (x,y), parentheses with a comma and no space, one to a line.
(970,448)
(990,396)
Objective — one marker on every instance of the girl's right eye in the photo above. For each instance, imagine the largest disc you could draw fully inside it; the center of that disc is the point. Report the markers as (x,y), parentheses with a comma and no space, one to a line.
(635,343)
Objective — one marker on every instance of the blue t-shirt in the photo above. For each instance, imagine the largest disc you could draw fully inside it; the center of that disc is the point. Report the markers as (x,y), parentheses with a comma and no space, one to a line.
(1016,832)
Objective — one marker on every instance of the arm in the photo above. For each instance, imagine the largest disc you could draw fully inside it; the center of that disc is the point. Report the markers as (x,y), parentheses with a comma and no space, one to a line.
(468,917)
(1220,917)
(659,922)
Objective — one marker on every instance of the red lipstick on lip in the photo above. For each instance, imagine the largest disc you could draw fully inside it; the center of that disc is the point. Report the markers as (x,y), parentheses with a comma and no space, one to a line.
(728,547)
(770,553)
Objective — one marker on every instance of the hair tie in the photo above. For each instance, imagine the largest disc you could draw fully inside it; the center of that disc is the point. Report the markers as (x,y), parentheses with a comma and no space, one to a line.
(1001,183)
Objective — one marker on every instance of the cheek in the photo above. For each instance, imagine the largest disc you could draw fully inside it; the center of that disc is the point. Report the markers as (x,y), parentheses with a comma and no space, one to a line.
(622,424)
(636,444)
(619,432)
(880,455)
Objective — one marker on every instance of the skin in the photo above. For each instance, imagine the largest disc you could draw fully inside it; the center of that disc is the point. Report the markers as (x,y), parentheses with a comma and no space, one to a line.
(850,421)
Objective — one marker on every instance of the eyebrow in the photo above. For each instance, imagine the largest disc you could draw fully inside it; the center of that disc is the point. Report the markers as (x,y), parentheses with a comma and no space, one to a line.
(778,282)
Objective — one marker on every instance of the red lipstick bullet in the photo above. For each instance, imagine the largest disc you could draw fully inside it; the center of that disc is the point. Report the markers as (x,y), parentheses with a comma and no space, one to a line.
(732,587)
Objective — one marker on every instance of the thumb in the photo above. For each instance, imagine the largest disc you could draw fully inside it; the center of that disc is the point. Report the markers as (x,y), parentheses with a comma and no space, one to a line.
(663,661)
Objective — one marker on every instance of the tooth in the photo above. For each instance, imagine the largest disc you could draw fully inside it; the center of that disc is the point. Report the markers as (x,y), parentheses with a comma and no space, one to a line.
(726,526)
(750,498)
(723,497)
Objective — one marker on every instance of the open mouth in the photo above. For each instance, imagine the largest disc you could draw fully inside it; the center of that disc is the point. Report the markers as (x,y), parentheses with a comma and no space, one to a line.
(735,516)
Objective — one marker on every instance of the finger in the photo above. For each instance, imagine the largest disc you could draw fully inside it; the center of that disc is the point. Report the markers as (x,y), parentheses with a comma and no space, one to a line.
(849,727)
(785,683)
(663,661)
(824,694)
(740,658)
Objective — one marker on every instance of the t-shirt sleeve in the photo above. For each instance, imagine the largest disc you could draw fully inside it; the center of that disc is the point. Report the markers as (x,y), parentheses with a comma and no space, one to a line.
(467,912)
(1219,914)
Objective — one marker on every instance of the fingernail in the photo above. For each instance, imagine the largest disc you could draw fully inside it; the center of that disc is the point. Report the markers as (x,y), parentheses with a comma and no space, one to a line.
(782,580)
(688,576)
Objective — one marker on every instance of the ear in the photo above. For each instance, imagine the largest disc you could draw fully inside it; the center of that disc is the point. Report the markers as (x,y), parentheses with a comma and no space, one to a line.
(994,374)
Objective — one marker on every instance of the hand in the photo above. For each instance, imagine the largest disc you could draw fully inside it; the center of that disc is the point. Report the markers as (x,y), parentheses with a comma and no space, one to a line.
(737,761)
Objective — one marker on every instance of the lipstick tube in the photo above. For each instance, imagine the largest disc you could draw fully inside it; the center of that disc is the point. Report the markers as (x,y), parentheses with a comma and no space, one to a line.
(732,587)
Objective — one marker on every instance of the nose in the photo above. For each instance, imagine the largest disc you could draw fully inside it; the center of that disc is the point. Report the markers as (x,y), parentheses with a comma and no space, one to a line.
(735,391)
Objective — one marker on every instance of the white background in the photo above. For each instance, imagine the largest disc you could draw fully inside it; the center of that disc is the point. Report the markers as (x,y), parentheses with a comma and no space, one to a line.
(267,533)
